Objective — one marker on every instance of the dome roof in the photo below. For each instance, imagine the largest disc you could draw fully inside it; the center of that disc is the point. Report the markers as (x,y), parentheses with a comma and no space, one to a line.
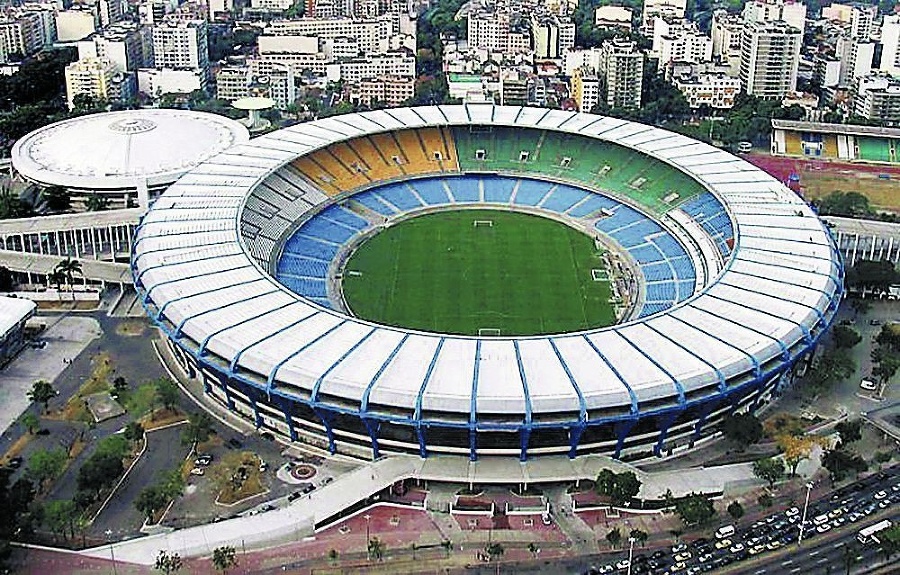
(116,150)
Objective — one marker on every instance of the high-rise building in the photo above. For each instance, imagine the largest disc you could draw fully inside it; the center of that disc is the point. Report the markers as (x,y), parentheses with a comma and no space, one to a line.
(622,72)
(77,23)
(877,97)
(21,35)
(862,21)
(890,39)
(123,44)
(856,58)
(181,45)
(770,58)
(613,17)
(585,89)
(654,8)
(552,36)
(99,78)
(726,31)
(676,40)
(794,13)
(488,30)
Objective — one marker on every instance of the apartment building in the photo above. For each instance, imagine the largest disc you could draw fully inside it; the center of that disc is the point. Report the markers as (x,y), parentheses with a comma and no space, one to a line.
(770,58)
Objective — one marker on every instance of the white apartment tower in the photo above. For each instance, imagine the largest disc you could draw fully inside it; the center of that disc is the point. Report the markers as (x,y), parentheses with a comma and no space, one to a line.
(890,39)
(770,57)
(794,13)
(622,70)
(92,76)
(181,45)
(488,30)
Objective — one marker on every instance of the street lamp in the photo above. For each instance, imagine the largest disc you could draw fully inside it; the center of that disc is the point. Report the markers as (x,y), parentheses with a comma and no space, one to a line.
(809,486)
(112,552)
(630,553)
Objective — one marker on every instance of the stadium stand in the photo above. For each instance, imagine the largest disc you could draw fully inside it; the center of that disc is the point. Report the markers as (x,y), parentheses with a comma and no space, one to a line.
(873,149)
(381,167)
(398,195)
(374,203)
(325,180)
(436,150)
(432,191)
(531,192)
(465,188)
(498,190)
(710,214)
(417,161)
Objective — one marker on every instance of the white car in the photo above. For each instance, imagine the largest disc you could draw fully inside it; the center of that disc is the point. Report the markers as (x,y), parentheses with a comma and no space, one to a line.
(792,512)
(723,543)
(737,548)
(881,495)
(623,564)
(823,528)
(197,471)
(683,556)
(868,385)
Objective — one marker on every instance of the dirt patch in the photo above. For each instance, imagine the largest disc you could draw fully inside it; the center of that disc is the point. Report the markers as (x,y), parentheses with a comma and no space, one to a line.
(76,408)
(161,418)
(237,477)
(131,328)
(17,447)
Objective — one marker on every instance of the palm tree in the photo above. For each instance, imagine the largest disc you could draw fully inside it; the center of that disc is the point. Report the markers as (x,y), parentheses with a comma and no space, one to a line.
(376,548)
(223,558)
(533,549)
(56,278)
(69,268)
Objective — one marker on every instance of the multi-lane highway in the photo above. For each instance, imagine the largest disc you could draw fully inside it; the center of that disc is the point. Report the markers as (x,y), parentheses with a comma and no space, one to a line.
(771,545)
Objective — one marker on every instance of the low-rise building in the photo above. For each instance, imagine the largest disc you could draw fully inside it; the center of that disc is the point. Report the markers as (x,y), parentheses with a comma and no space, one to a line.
(613,18)
(715,90)
(14,314)
(21,34)
(387,90)
(99,78)
(877,97)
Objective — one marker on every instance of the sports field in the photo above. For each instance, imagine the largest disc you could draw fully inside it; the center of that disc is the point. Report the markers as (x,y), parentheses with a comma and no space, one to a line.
(516,273)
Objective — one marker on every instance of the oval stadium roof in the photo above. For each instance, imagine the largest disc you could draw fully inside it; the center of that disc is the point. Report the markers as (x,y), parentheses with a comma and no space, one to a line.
(201,279)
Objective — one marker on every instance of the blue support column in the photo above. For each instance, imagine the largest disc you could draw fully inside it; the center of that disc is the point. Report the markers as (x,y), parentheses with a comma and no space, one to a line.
(420,434)
(574,437)
(325,416)
(257,418)
(372,427)
(524,436)
(473,443)
(286,409)
(707,408)
(622,429)
(664,422)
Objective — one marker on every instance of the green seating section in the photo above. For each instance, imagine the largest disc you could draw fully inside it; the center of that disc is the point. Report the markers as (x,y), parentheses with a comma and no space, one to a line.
(595,163)
(874,149)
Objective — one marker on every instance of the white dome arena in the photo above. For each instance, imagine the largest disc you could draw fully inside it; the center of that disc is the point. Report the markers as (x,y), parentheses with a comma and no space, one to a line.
(122,152)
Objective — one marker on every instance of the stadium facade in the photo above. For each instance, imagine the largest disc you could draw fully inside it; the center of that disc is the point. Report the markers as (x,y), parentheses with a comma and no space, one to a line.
(237,262)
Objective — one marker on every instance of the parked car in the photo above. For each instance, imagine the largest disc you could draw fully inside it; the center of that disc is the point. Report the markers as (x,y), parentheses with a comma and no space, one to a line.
(15,462)
(203,460)
(197,471)
(263,465)
(294,496)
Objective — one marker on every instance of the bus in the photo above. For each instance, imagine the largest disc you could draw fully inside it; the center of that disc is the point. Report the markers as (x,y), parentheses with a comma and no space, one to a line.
(870,533)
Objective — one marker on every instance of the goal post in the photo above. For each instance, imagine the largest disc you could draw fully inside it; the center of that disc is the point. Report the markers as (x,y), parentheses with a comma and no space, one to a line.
(488,331)
(483,223)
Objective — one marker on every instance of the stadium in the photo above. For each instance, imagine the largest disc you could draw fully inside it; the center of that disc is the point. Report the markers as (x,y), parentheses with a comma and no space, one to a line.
(301,276)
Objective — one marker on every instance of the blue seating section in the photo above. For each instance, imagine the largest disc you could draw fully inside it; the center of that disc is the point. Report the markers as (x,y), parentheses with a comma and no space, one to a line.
(563,198)
(371,201)
(498,190)
(464,189)
(531,192)
(667,268)
(398,195)
(431,190)
(709,213)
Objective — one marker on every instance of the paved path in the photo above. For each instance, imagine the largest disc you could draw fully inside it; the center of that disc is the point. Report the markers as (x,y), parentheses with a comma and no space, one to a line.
(66,337)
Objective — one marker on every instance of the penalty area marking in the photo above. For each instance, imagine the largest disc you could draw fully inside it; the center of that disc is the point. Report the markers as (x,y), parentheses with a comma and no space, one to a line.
(488,331)
(485,223)
(599,275)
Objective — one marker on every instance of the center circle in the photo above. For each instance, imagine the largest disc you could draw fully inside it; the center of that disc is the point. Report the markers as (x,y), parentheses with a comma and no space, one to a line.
(479,272)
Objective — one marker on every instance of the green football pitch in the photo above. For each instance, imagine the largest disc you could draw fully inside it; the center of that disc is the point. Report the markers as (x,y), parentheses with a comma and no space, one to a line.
(516,273)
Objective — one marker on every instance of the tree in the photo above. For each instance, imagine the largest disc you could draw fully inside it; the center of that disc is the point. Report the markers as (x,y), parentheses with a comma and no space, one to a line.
(850,430)
(96,203)
(619,487)
(42,392)
(882,457)
(46,464)
(333,556)
(134,431)
(494,551)
(198,429)
(69,267)
(168,393)
(840,463)
(871,274)
(100,470)
(223,558)
(769,469)
(850,554)
(741,429)
(695,509)
(60,515)
(847,204)
(845,337)
(120,383)
(614,536)
(796,448)
(31,423)
(56,278)
(533,549)
(56,198)
(735,509)
(639,536)
(764,500)
(168,563)
(890,542)
(376,548)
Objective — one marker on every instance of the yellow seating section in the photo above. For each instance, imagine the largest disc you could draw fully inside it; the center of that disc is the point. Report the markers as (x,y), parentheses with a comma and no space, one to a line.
(317,174)
(417,161)
(451,163)
(348,158)
(380,167)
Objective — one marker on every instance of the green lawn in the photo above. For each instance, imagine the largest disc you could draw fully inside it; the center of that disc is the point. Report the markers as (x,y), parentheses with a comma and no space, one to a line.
(525,275)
